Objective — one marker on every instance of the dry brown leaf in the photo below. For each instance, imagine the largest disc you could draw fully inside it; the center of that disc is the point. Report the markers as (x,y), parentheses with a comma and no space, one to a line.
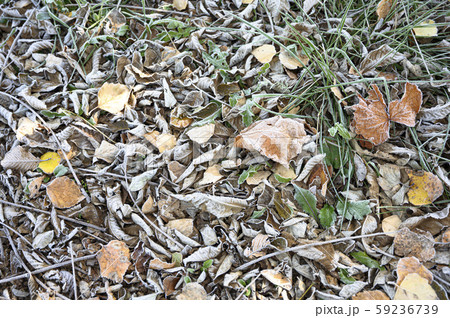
(113,97)
(415,287)
(408,243)
(34,186)
(192,291)
(337,92)
(383,8)
(408,265)
(148,205)
(371,295)
(291,62)
(64,193)
(391,224)
(211,175)
(372,119)
(277,138)
(169,284)
(424,187)
(185,226)
(18,158)
(258,177)
(161,141)
(318,172)
(181,121)
(114,259)
(265,53)
(180,4)
(158,264)
(276,278)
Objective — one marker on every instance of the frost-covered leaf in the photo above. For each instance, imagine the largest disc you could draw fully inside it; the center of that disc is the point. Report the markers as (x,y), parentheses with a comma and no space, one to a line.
(276,278)
(64,193)
(139,182)
(203,254)
(264,53)
(43,239)
(415,287)
(420,244)
(380,57)
(113,97)
(192,291)
(353,209)
(114,259)
(19,159)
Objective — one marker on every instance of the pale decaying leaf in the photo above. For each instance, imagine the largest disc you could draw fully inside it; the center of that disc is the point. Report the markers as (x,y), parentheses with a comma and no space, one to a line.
(264,53)
(415,287)
(114,259)
(203,254)
(259,242)
(391,224)
(161,141)
(292,62)
(277,138)
(43,239)
(192,291)
(426,29)
(185,226)
(20,159)
(380,57)
(424,187)
(64,193)
(211,175)
(180,4)
(218,206)
(106,151)
(26,127)
(420,245)
(371,295)
(258,177)
(309,4)
(201,134)
(276,278)
(408,265)
(113,97)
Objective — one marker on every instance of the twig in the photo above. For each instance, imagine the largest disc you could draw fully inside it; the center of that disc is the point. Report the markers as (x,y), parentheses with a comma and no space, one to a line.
(73,272)
(296,248)
(59,216)
(47,268)
(248,286)
(5,63)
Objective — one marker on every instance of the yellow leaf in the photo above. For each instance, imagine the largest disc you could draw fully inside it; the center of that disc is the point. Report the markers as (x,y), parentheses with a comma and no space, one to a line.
(113,97)
(291,62)
(180,4)
(247,1)
(264,53)
(424,187)
(426,29)
(161,141)
(415,287)
(52,160)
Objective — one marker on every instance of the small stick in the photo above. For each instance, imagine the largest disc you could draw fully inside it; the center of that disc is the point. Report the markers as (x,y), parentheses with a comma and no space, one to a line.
(248,286)
(299,247)
(60,216)
(73,272)
(45,269)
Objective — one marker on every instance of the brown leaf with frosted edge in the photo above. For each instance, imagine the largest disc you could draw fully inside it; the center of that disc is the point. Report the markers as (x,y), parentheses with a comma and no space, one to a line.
(169,284)
(276,278)
(371,295)
(113,97)
(383,8)
(158,264)
(408,265)
(114,259)
(371,119)
(424,187)
(64,193)
(420,245)
(277,138)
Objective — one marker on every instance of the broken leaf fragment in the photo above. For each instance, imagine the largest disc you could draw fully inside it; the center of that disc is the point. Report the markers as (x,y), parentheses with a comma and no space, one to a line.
(50,160)
(64,193)
(161,141)
(114,259)
(409,265)
(383,8)
(371,295)
(424,187)
(113,97)
(180,4)
(264,53)
(426,29)
(415,287)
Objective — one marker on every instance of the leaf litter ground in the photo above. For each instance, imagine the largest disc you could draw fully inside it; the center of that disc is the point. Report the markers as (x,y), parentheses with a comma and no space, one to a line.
(256,150)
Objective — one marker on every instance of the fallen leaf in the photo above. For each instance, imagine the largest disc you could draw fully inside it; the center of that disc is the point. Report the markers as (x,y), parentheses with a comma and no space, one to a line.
(258,177)
(380,57)
(20,159)
(371,295)
(169,284)
(424,187)
(148,205)
(372,120)
(259,242)
(158,264)
(106,151)
(50,160)
(64,193)
(192,291)
(180,4)
(426,29)
(276,278)
(161,141)
(247,1)
(180,122)
(408,243)
(383,8)
(446,236)
(391,224)
(292,63)
(35,185)
(211,175)
(318,172)
(201,134)
(43,239)
(264,53)
(185,226)
(277,138)
(415,287)
(113,97)
(114,259)
(337,92)
(309,4)
(409,265)
(26,127)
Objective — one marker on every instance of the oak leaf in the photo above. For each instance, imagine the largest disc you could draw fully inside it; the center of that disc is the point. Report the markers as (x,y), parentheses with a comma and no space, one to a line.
(114,259)
(64,193)
(424,187)
(277,138)
(372,116)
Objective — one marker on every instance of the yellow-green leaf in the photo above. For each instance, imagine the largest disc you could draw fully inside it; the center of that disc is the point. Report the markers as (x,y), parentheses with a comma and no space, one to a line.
(424,187)
(426,29)
(51,161)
